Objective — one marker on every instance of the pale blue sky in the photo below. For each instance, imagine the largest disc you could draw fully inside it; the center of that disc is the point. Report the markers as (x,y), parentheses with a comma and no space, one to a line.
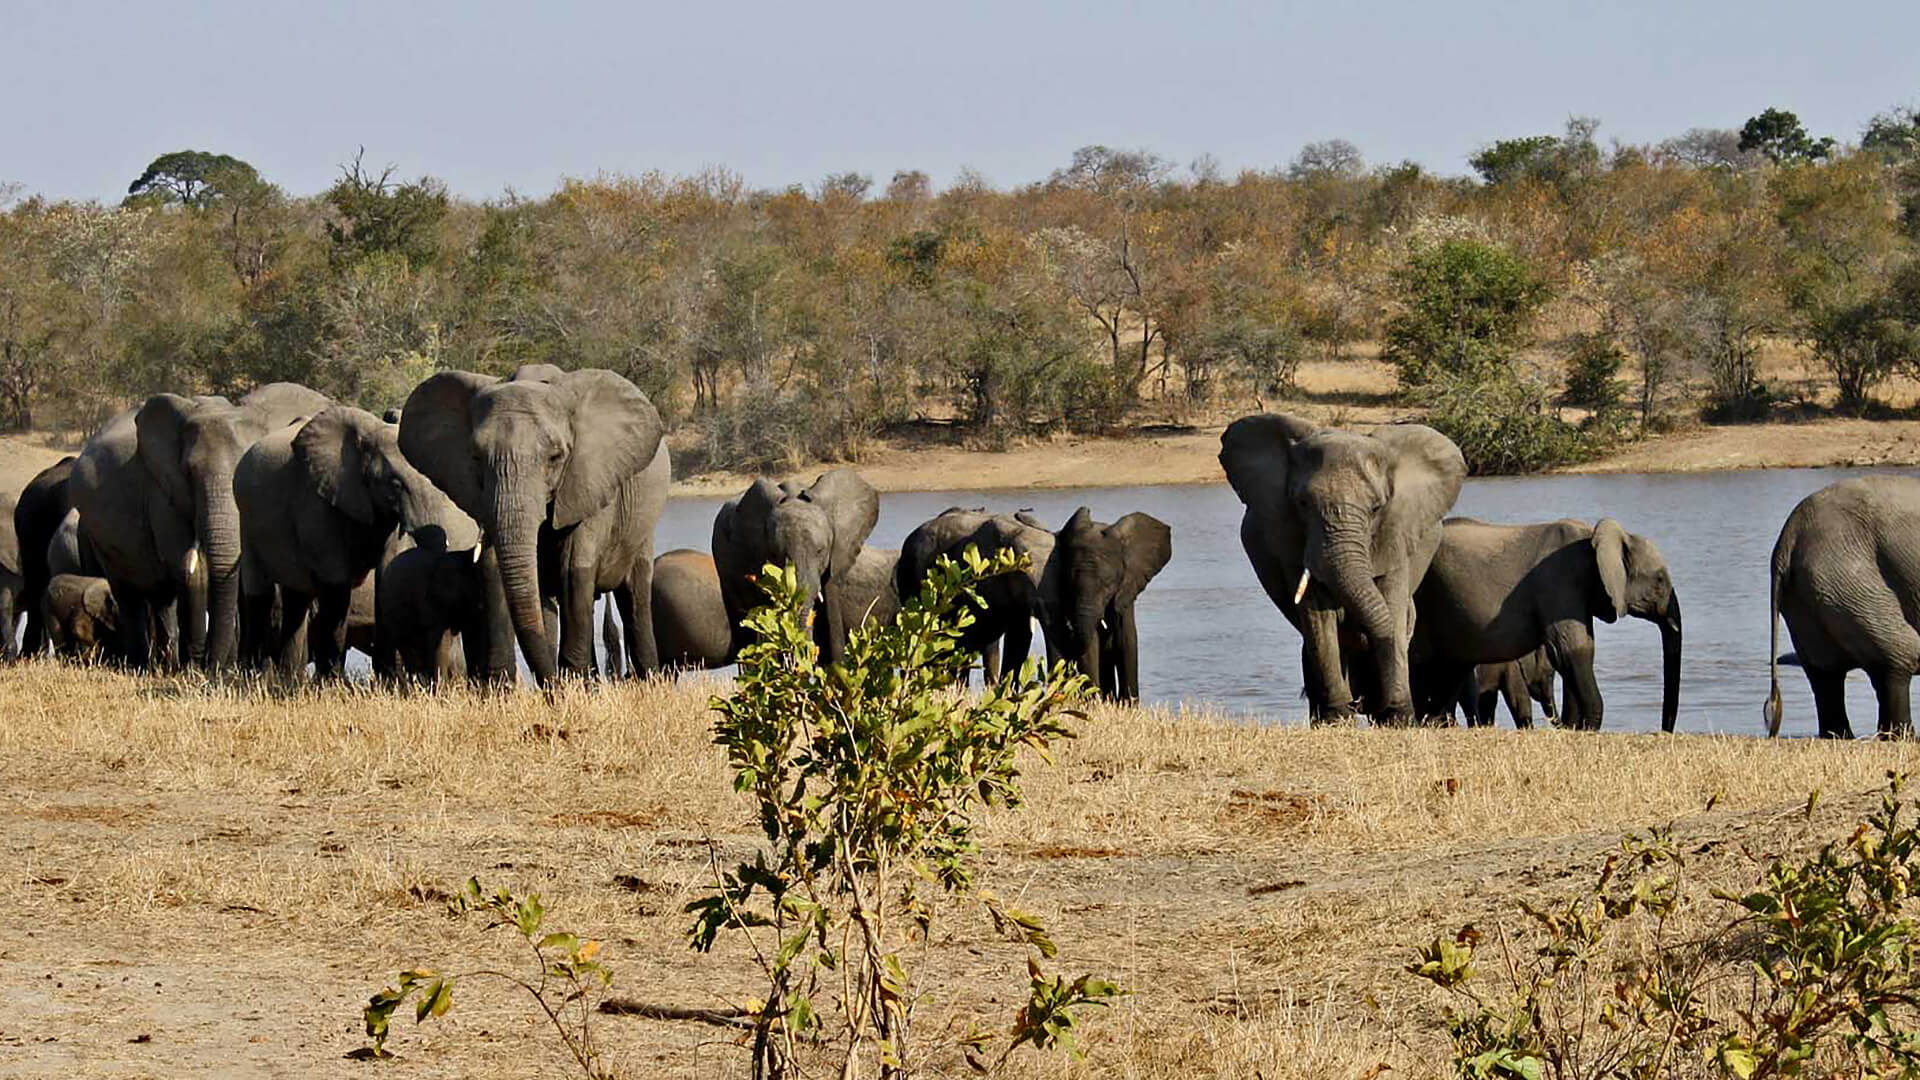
(488,95)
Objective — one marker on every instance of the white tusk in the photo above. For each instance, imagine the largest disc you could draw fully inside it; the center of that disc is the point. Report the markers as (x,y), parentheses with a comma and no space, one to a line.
(476,553)
(1301,592)
(193,560)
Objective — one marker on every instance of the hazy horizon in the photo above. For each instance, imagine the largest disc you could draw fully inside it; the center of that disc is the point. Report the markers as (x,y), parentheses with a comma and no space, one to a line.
(488,101)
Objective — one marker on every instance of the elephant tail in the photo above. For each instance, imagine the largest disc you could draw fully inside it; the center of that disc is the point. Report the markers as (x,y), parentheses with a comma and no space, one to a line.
(1775,578)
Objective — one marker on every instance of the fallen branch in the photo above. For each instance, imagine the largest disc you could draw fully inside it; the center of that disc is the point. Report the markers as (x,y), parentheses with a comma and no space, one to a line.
(739,1018)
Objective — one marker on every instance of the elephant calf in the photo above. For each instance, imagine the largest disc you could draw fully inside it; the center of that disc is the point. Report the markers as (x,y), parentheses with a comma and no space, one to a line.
(1521,682)
(431,611)
(1846,578)
(81,619)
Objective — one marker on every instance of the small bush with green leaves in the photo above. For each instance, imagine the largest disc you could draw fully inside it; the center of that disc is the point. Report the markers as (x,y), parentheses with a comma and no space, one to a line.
(566,980)
(868,777)
(1812,973)
(1503,422)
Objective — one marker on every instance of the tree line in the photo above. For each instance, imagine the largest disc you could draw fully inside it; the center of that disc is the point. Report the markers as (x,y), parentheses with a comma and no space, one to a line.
(1565,293)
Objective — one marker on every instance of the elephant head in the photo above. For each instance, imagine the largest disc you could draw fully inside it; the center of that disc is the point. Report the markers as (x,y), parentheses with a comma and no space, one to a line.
(1104,568)
(817,530)
(525,456)
(352,459)
(1341,526)
(1633,580)
(189,447)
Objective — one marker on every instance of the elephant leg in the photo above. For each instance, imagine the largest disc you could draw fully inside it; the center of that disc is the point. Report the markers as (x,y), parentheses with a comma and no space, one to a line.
(168,653)
(1015,646)
(1127,634)
(575,612)
(1570,648)
(1513,687)
(136,627)
(1486,706)
(636,611)
(1320,660)
(1892,687)
(492,642)
(989,663)
(290,646)
(1830,702)
(327,632)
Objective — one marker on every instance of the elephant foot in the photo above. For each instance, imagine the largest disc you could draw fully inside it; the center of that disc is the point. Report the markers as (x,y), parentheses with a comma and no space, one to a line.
(1333,717)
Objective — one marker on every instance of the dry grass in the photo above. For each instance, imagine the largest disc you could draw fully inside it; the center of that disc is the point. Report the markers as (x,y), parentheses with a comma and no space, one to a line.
(229,873)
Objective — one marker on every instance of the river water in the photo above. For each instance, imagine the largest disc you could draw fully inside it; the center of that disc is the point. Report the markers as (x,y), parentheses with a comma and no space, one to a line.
(1209,636)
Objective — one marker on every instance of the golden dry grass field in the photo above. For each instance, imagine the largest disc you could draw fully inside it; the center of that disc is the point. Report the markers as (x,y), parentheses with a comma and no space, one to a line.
(208,881)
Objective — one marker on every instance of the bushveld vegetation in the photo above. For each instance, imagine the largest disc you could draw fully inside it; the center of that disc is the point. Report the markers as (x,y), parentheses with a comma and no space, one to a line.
(797,324)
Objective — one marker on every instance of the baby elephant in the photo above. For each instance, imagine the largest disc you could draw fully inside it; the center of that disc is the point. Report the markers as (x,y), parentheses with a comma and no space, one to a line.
(1521,682)
(81,617)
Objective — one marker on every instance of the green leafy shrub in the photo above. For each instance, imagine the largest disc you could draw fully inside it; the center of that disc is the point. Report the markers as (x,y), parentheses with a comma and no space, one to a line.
(868,777)
(1812,973)
(1466,306)
(1502,422)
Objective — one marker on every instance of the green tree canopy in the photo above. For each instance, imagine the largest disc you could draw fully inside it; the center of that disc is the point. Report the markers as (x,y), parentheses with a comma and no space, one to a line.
(1778,134)
(194,178)
(372,215)
(1467,307)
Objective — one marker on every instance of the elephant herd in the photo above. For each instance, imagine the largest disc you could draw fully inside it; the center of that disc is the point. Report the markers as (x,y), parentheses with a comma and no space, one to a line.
(490,514)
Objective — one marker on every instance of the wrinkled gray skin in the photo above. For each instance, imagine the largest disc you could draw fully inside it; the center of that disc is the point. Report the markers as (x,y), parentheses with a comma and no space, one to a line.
(155,493)
(1845,577)
(1339,528)
(567,475)
(1521,682)
(320,501)
(12,583)
(818,530)
(431,604)
(1104,569)
(1498,592)
(67,551)
(81,618)
(1002,630)
(689,617)
(868,588)
(43,504)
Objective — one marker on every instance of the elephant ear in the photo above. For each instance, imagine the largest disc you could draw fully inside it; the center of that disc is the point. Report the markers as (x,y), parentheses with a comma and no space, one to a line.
(1256,451)
(332,448)
(853,507)
(616,432)
(436,435)
(98,601)
(1428,470)
(1610,558)
(1146,546)
(161,431)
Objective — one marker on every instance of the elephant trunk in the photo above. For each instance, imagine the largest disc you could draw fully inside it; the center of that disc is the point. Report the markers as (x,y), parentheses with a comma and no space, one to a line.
(1670,665)
(517,517)
(1341,557)
(218,531)
(1086,637)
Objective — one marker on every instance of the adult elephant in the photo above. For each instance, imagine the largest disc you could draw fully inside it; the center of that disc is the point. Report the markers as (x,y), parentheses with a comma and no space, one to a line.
(567,475)
(1498,592)
(155,493)
(11,582)
(1105,568)
(818,530)
(1340,527)
(43,504)
(1002,628)
(320,500)
(1845,577)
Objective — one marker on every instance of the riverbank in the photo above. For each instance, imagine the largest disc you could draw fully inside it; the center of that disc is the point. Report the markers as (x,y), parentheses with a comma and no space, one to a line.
(212,881)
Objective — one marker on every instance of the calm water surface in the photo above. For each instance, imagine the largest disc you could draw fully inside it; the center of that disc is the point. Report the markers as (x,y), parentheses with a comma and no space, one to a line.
(1210,637)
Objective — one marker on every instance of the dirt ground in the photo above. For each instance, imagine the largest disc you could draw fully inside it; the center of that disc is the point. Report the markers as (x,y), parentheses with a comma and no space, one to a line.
(203,881)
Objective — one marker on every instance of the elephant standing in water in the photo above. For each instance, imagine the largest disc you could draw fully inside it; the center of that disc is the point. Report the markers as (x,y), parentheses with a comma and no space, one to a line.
(1498,592)
(1846,578)
(320,501)
(1105,568)
(566,474)
(818,530)
(43,505)
(155,493)
(1340,527)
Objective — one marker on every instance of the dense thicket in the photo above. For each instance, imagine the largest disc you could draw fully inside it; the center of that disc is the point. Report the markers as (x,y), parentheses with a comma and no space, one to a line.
(1628,281)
